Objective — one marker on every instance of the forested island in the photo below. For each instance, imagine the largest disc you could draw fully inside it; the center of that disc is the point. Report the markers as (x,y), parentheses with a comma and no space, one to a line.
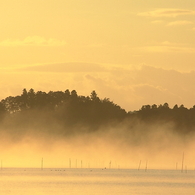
(65,113)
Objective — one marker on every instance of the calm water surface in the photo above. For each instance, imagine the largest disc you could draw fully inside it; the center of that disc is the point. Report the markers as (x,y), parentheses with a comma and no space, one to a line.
(95,182)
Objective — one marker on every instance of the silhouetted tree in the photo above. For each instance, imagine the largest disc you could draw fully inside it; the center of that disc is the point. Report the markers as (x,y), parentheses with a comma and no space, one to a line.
(94,96)
(67,93)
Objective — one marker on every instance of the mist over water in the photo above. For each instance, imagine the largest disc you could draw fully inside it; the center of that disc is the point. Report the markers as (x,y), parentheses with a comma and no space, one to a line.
(126,144)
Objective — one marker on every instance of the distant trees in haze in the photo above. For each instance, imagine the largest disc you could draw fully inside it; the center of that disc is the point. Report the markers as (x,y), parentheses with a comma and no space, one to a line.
(66,110)
(182,117)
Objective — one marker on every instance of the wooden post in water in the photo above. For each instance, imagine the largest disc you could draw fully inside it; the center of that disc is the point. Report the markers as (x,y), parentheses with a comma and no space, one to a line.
(182,163)
(110,165)
(42,164)
(1,165)
(139,165)
(146,166)
(89,165)
(69,162)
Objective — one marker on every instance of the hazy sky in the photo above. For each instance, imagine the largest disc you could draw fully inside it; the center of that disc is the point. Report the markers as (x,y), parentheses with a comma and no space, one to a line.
(134,52)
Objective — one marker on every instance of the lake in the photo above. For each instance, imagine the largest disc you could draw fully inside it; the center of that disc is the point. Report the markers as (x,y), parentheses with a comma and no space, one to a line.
(26,181)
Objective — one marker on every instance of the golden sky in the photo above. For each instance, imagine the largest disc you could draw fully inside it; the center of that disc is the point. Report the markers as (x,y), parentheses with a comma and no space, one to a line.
(134,52)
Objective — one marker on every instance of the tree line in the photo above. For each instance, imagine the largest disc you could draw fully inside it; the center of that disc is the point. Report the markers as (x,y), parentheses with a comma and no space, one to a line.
(181,117)
(56,110)
(65,109)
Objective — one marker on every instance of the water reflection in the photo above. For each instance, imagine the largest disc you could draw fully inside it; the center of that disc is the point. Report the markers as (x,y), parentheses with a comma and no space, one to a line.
(95,182)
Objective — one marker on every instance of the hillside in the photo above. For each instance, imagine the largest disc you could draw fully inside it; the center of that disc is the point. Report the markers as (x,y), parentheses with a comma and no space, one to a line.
(66,112)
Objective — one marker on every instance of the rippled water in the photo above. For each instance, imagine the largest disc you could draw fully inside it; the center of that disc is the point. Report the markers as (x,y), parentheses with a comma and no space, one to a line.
(95,182)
